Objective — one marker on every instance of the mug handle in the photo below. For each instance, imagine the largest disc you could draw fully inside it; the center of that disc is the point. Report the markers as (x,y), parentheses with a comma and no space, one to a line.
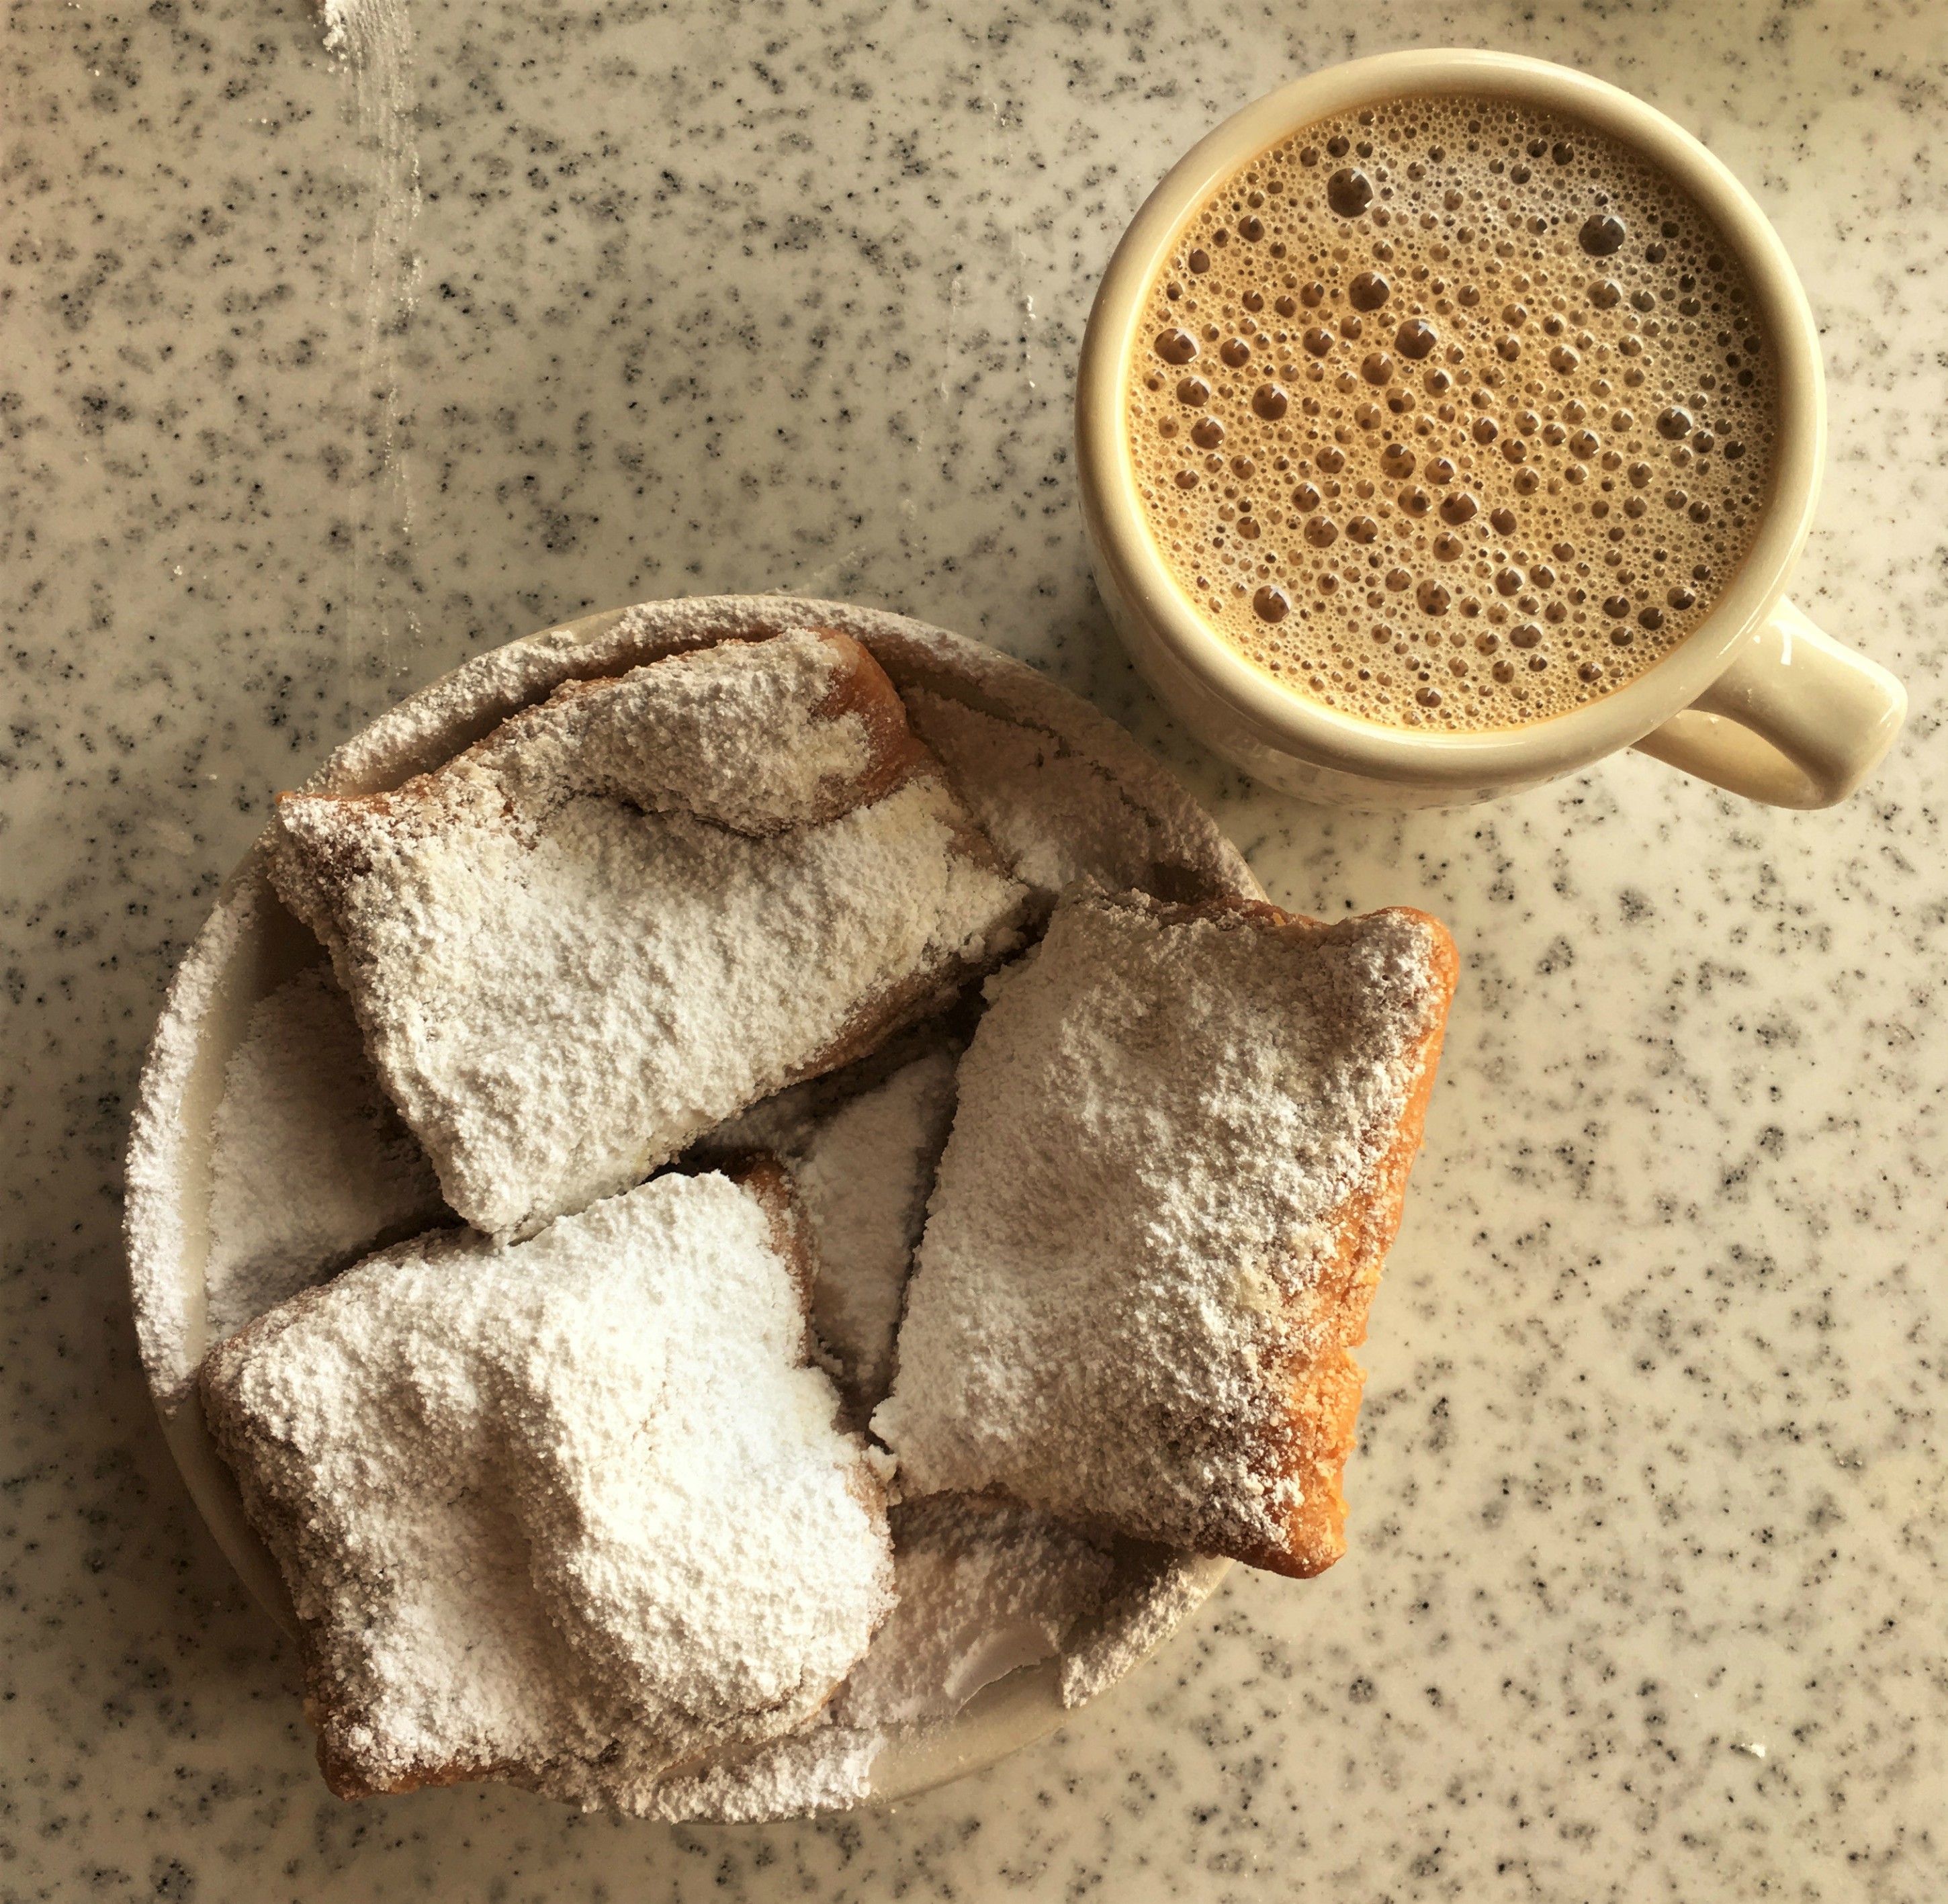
(1795,720)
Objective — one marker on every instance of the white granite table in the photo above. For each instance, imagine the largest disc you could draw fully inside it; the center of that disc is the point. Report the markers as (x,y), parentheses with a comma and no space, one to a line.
(321,375)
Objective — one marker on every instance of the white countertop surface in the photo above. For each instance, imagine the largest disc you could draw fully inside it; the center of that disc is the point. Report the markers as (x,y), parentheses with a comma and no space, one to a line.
(321,375)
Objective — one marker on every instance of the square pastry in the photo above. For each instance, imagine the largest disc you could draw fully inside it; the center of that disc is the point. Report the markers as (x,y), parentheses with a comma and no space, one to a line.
(573,1513)
(1182,1140)
(629,912)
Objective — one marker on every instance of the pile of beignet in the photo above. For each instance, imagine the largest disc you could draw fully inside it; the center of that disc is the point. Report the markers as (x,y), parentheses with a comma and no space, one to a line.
(591,1494)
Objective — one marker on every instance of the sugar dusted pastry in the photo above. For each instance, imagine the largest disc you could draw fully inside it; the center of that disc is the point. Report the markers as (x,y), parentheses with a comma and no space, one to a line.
(571,1513)
(864,1175)
(630,912)
(1182,1140)
(986,1586)
(310,1167)
(862,1146)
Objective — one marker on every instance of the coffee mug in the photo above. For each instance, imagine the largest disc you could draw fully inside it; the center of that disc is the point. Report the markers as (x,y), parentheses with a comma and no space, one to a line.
(1757,700)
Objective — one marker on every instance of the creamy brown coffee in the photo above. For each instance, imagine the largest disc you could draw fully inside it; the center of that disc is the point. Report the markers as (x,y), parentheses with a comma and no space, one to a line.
(1451,413)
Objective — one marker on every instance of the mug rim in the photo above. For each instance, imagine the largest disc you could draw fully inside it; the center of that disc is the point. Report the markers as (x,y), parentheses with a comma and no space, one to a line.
(1280,719)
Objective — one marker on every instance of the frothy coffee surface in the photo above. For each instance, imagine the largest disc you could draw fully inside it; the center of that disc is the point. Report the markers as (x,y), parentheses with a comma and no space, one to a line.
(1452,413)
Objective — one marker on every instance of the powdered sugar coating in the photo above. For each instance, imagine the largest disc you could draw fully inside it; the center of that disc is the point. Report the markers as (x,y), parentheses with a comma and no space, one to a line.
(743,735)
(862,1145)
(1135,1253)
(1147,814)
(864,1176)
(1137,1621)
(985,1586)
(1054,813)
(569,1512)
(310,1165)
(825,1767)
(167,1174)
(165,1219)
(559,989)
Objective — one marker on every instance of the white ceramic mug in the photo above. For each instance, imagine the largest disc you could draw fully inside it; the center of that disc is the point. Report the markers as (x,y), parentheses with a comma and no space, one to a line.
(1757,700)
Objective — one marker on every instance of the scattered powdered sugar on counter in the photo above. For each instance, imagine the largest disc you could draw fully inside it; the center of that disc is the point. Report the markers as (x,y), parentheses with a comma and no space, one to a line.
(569,1513)
(311,1167)
(354,28)
(375,39)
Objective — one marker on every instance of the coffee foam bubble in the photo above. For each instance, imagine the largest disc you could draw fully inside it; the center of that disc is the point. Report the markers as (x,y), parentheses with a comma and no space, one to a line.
(1452,413)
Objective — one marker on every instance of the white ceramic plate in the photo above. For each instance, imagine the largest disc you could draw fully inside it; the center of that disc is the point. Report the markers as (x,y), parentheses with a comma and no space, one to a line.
(1062,790)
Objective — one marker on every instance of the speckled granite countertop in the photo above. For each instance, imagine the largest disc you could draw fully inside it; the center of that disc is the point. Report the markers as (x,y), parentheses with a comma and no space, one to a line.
(319,376)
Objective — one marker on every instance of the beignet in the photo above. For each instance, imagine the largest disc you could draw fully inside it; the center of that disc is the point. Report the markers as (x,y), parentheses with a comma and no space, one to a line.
(572,1513)
(632,910)
(1182,1138)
